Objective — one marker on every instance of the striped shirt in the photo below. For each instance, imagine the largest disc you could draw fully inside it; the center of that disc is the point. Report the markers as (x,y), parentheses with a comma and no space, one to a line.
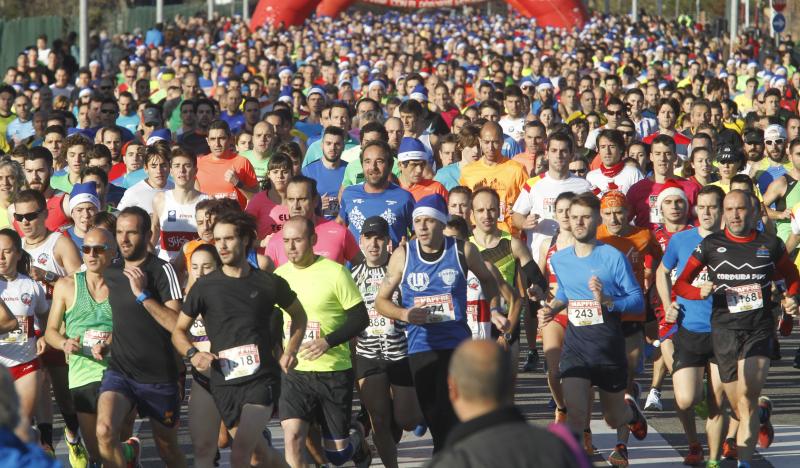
(384,338)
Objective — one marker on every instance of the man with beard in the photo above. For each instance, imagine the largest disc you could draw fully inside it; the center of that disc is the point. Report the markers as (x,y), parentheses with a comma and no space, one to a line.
(38,168)
(145,296)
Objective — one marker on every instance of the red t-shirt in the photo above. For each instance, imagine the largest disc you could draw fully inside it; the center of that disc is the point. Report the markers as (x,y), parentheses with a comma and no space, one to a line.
(642,198)
(211,176)
(117,170)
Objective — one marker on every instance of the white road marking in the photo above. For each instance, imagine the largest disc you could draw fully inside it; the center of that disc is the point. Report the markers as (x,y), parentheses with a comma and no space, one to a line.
(653,451)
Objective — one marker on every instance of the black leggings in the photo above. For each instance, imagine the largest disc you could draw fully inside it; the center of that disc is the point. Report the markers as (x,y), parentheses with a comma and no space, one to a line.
(429,371)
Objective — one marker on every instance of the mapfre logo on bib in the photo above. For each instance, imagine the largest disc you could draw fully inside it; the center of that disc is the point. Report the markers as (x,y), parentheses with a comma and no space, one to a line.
(448,276)
(418,281)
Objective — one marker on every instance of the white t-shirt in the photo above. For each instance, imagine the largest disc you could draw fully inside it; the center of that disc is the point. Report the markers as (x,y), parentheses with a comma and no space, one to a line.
(539,197)
(513,127)
(25,299)
(628,176)
(141,194)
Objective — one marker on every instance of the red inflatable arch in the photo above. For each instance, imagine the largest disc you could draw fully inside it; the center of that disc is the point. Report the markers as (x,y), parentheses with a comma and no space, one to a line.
(554,13)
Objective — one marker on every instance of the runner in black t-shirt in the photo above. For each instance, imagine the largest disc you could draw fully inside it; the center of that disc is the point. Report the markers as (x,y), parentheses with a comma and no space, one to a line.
(742,263)
(238,304)
(143,369)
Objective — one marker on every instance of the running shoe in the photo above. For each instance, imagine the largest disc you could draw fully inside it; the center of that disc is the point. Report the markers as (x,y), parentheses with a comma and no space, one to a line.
(267,435)
(362,456)
(695,456)
(532,362)
(588,446)
(78,457)
(132,449)
(619,457)
(729,450)
(420,430)
(713,464)
(653,402)
(561,416)
(638,425)
(786,324)
(48,449)
(766,433)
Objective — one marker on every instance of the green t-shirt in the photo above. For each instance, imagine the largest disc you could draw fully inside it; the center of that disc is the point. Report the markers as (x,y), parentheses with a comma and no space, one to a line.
(354,173)
(326,290)
(90,321)
(61,183)
(261,166)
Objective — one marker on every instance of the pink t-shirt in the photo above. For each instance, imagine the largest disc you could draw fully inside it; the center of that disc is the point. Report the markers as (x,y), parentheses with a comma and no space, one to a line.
(269,215)
(334,241)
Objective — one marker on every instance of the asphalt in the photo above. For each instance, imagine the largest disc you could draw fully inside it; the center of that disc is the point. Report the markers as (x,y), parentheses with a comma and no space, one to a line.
(665,446)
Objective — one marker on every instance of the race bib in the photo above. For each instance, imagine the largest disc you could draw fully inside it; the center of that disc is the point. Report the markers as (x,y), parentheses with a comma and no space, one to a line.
(583,313)
(472,319)
(93,337)
(440,307)
(701,278)
(378,324)
(549,207)
(198,328)
(20,334)
(655,211)
(311,334)
(240,361)
(744,298)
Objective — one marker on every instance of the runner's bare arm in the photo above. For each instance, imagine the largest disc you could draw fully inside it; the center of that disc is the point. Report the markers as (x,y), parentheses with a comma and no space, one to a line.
(298,329)
(509,294)
(155,224)
(7,320)
(180,334)
(67,255)
(664,285)
(63,293)
(394,274)
(488,283)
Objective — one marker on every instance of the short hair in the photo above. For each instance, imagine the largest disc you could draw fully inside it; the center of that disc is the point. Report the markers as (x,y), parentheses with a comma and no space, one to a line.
(280,160)
(412,107)
(95,171)
(30,195)
(614,136)
(308,223)
(55,129)
(588,200)
(461,189)
(98,151)
(713,190)
(40,152)
(487,190)
(373,127)
(179,152)
(104,217)
(459,224)
(665,140)
(335,131)
(139,212)
(244,225)
(563,137)
(159,149)
(220,125)
(76,139)
(380,144)
(311,183)
(744,179)
(568,195)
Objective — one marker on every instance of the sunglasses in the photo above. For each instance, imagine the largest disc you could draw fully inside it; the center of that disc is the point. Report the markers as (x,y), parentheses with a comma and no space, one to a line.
(775,142)
(19,217)
(617,113)
(90,249)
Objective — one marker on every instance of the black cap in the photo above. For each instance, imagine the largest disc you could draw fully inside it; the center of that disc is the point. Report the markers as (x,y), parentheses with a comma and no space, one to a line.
(375,225)
(753,135)
(729,154)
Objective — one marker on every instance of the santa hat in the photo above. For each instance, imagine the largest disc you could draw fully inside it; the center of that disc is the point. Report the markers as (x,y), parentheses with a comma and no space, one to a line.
(671,188)
(84,193)
(411,149)
(432,206)
(419,93)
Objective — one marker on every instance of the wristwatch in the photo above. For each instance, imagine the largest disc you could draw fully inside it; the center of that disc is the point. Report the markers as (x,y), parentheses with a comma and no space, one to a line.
(49,276)
(508,337)
(192,351)
(145,295)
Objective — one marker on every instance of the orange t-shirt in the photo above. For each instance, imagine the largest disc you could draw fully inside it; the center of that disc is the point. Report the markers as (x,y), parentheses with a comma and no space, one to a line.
(528,160)
(211,173)
(425,188)
(642,250)
(506,178)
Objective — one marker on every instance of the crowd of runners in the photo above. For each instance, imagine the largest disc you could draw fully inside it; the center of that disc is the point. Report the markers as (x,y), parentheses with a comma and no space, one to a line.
(369,209)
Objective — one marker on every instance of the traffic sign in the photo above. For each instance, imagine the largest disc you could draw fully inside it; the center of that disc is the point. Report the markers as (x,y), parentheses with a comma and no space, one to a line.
(778,5)
(778,22)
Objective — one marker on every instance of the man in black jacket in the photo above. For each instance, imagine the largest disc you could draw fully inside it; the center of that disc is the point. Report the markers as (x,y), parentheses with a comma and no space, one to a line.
(493,432)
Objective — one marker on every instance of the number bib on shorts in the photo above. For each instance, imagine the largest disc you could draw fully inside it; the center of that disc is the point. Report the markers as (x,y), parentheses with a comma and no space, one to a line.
(19,334)
(240,361)
(378,324)
(744,298)
(583,313)
(440,307)
(311,334)
(93,337)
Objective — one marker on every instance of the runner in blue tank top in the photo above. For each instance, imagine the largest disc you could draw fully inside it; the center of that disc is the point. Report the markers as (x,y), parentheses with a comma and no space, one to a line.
(430,272)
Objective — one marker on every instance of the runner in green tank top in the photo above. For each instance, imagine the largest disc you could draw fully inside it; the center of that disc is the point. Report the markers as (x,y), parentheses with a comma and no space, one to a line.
(784,193)
(513,259)
(80,304)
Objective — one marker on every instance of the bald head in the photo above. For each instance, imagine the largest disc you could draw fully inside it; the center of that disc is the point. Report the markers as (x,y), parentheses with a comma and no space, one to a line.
(98,235)
(491,140)
(481,372)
